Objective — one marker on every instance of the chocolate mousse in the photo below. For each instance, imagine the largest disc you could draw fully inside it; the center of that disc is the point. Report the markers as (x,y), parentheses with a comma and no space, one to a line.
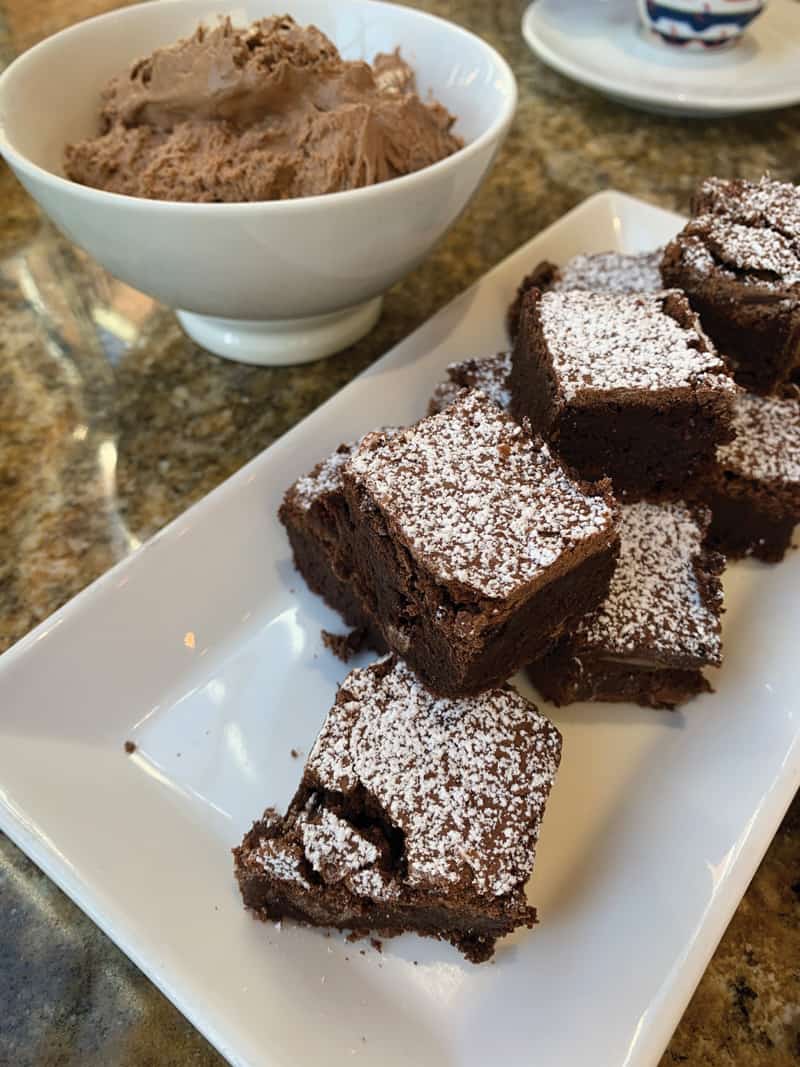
(267,112)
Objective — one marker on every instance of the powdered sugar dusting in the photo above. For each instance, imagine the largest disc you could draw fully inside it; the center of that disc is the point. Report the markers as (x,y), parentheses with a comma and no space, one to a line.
(372,883)
(465,780)
(750,248)
(489,375)
(623,341)
(334,849)
(612,272)
(326,477)
(767,442)
(475,499)
(654,603)
(765,203)
(444,394)
(281,860)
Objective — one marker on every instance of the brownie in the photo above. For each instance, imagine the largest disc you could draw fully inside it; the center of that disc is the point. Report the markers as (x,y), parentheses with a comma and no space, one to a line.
(602,272)
(739,263)
(754,490)
(414,813)
(489,375)
(314,514)
(473,548)
(658,627)
(623,385)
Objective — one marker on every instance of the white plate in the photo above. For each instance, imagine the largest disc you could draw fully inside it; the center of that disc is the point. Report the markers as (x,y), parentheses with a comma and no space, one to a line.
(600,44)
(204,648)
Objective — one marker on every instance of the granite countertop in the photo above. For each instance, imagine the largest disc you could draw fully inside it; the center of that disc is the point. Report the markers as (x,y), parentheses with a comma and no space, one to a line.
(113,422)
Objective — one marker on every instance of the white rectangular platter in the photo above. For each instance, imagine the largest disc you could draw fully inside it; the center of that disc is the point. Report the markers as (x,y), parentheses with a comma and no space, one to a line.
(204,649)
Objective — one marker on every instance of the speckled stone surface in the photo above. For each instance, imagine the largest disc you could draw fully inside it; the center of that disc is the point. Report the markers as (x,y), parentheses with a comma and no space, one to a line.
(113,423)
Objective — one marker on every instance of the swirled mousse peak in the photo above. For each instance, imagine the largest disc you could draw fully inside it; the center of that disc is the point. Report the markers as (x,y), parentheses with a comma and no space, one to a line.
(267,112)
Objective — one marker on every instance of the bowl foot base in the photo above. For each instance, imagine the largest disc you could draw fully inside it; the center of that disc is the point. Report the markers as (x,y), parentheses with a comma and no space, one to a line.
(280,342)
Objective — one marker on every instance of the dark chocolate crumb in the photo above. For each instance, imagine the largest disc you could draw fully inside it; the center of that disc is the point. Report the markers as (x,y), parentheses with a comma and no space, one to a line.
(130,747)
(294,753)
(344,646)
(376,944)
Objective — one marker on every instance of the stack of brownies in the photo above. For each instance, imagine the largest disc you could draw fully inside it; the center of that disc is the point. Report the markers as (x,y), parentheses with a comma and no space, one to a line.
(560,508)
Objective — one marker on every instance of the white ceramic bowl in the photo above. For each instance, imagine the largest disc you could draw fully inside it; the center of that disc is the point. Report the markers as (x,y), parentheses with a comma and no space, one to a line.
(273,282)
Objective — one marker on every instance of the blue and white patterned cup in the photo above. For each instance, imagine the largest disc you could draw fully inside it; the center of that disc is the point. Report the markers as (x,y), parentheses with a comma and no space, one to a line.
(698,25)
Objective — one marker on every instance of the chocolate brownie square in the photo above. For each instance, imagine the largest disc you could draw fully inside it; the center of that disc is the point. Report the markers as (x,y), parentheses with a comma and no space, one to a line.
(623,385)
(658,627)
(488,375)
(414,813)
(314,514)
(602,272)
(754,490)
(473,548)
(739,264)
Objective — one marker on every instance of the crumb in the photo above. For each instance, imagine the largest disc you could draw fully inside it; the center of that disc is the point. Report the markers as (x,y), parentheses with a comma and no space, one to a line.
(344,646)
(292,591)
(347,959)
(130,747)
(376,944)
(295,753)
(361,952)
(363,1039)
(416,964)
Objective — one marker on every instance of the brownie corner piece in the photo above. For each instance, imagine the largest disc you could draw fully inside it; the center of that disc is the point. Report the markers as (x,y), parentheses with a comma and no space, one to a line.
(475,548)
(622,384)
(738,261)
(659,627)
(489,375)
(754,489)
(312,512)
(414,813)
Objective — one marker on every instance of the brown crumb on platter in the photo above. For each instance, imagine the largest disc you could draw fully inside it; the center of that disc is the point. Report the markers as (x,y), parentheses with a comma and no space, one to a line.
(344,646)
(130,747)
